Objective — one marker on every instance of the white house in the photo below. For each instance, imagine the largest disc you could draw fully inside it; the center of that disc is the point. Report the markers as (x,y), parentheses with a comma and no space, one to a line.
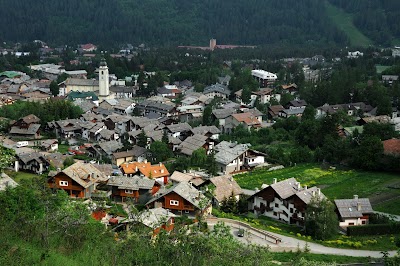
(354,211)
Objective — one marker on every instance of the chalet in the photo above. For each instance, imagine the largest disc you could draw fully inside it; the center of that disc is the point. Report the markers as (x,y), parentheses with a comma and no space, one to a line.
(26,127)
(221,116)
(224,80)
(354,211)
(211,132)
(169,91)
(225,187)
(78,180)
(286,113)
(49,145)
(196,179)
(181,199)
(157,219)
(119,123)
(66,129)
(265,95)
(136,188)
(192,143)
(189,113)
(352,109)
(180,130)
(297,104)
(157,171)
(147,107)
(389,79)
(290,88)
(105,149)
(249,120)
(286,201)
(217,90)
(91,130)
(137,153)
(233,157)
(33,162)
(273,111)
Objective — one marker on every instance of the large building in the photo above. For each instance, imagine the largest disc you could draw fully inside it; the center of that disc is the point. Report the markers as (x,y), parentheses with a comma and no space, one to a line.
(265,78)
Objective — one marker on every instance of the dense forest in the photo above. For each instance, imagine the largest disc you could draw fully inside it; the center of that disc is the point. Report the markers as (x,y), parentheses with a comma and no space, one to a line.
(165,23)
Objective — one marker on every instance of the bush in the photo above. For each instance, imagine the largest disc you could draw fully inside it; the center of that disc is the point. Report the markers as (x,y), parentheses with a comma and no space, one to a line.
(374,229)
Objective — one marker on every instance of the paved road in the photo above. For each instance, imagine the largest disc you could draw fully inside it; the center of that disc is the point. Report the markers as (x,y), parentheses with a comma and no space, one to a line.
(392,216)
(291,244)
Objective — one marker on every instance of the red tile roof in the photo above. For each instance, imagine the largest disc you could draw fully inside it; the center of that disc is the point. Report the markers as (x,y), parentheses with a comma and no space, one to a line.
(391,146)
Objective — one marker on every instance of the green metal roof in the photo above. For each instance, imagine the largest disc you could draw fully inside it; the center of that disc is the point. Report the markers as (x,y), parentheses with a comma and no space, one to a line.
(82,95)
(10,74)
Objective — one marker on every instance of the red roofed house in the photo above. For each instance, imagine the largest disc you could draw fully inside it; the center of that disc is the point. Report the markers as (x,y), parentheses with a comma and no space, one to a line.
(251,119)
(89,47)
(391,147)
(157,171)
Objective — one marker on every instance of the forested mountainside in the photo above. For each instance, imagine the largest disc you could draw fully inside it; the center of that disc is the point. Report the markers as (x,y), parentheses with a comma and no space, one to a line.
(379,20)
(180,22)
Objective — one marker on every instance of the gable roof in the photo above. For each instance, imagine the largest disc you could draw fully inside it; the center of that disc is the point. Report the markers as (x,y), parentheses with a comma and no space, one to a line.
(145,168)
(223,113)
(29,119)
(306,195)
(353,208)
(229,151)
(217,88)
(190,144)
(179,127)
(84,174)
(205,129)
(247,118)
(154,218)
(225,186)
(186,191)
(132,183)
(136,151)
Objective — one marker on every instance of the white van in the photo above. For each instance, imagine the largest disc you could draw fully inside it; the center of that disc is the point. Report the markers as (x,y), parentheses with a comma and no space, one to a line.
(22,144)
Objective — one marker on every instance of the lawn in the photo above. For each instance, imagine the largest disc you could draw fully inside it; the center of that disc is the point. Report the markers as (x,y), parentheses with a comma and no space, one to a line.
(62,148)
(380,68)
(335,184)
(344,22)
(21,176)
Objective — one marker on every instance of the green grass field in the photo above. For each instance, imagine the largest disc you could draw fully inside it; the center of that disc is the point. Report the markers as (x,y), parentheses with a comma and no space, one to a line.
(380,68)
(344,22)
(335,184)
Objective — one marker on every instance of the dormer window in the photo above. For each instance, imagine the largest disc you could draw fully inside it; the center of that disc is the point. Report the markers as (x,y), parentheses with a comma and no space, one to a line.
(63,183)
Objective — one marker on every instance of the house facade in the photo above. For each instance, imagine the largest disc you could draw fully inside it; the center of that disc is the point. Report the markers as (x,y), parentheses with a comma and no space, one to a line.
(286,201)
(354,211)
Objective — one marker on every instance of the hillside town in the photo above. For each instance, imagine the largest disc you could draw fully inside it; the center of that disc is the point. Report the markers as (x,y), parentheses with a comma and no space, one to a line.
(179,149)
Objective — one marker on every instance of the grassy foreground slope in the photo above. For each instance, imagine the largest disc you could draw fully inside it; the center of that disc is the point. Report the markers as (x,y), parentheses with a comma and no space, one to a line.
(380,187)
(344,22)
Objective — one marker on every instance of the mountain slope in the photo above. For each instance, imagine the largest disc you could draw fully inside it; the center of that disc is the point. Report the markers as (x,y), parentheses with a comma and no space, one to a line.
(169,22)
(344,22)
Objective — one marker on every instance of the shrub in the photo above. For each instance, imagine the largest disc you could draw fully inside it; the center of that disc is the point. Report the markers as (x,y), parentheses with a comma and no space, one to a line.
(373,229)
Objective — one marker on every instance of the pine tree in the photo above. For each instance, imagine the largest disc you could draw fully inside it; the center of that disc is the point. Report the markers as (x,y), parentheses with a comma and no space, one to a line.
(142,139)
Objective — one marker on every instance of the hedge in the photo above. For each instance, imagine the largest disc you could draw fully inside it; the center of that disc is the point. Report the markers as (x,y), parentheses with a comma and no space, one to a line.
(374,229)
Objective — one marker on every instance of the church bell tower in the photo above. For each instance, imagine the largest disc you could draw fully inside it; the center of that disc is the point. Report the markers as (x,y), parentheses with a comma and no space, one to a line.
(104,83)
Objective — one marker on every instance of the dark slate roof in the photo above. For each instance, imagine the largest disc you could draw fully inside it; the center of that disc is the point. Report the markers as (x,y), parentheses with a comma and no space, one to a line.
(190,144)
(205,129)
(217,88)
(133,183)
(348,208)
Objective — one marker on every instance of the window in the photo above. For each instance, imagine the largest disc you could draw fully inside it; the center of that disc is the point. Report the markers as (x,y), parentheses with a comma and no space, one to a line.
(63,183)
(174,202)
(275,214)
(276,205)
(363,222)
(186,211)
(351,223)
(291,210)
(128,191)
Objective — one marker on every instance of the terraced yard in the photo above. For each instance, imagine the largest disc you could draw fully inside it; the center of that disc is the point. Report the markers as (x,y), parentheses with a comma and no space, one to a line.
(380,187)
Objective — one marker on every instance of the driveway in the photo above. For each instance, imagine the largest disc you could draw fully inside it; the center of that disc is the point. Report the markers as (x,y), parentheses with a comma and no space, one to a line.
(291,244)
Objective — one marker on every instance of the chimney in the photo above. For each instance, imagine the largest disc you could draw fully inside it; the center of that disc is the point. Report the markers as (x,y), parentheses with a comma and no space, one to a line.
(162,171)
(145,160)
(313,193)
(319,191)
(358,206)
(136,169)
(160,164)
(305,187)
(274,181)
(298,185)
(356,197)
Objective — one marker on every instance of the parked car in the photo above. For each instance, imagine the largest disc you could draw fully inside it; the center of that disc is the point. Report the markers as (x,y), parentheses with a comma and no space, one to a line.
(22,144)
(240,232)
